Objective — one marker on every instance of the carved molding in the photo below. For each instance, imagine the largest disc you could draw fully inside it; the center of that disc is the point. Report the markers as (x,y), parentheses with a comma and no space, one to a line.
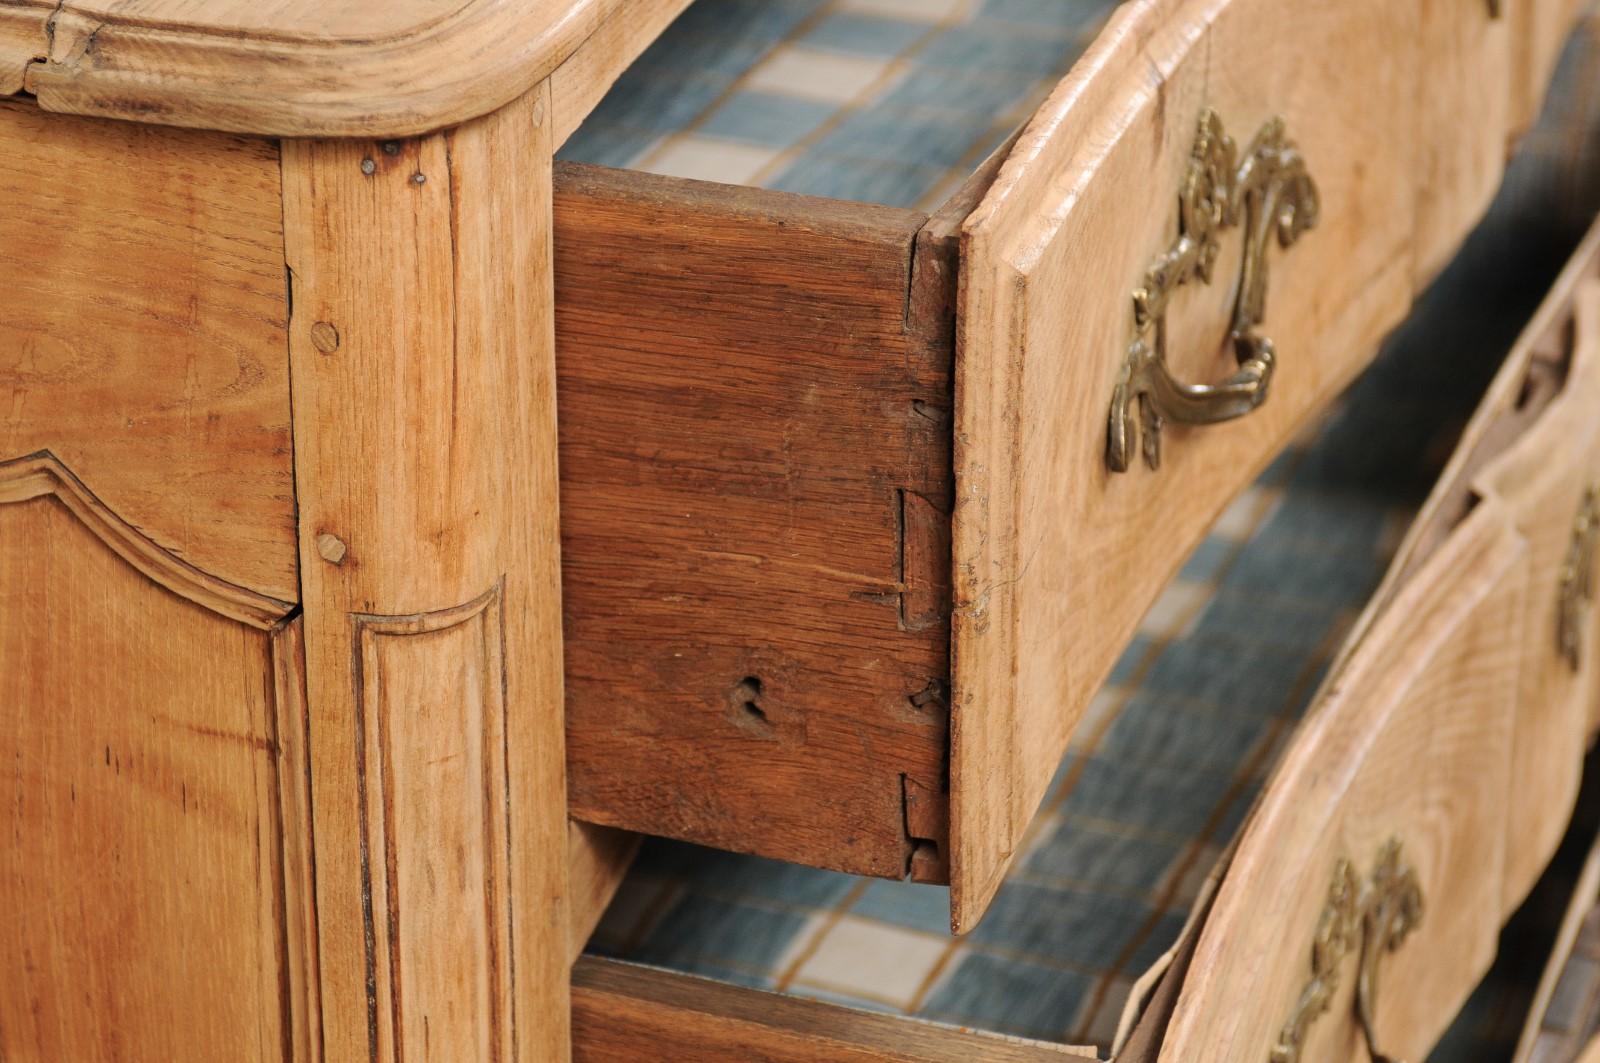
(432,766)
(42,474)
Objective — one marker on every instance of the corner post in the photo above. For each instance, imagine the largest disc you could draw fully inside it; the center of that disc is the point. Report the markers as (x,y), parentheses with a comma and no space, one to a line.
(422,362)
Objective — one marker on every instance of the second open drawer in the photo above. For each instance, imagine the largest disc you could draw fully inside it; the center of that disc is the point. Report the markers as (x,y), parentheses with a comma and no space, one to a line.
(860,506)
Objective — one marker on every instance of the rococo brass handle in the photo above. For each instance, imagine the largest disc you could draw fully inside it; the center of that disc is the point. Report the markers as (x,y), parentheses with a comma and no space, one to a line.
(1577,576)
(1382,911)
(1271,192)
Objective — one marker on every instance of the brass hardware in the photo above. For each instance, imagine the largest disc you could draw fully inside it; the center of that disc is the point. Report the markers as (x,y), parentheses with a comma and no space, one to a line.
(1577,576)
(1380,914)
(1496,8)
(1272,193)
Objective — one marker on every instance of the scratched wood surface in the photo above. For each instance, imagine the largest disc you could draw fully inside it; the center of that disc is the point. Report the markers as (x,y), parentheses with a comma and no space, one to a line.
(142,332)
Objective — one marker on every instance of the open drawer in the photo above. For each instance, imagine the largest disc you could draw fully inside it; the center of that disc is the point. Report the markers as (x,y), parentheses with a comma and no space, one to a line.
(860,506)
(1366,885)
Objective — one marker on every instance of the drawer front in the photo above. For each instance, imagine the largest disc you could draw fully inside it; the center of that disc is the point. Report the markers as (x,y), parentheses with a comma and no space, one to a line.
(1056,554)
(1433,780)
(1379,842)
(1550,480)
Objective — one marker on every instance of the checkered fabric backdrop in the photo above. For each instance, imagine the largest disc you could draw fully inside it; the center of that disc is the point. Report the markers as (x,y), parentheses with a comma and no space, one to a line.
(894,101)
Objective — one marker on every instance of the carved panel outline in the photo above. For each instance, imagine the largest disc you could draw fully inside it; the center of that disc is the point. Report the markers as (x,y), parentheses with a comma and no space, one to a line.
(379,748)
(284,789)
(42,473)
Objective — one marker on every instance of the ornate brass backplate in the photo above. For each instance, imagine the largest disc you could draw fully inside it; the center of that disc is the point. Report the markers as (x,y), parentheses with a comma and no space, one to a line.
(1577,576)
(1377,915)
(1272,194)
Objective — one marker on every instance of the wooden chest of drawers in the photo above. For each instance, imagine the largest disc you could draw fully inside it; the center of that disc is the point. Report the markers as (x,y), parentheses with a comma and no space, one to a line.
(377,494)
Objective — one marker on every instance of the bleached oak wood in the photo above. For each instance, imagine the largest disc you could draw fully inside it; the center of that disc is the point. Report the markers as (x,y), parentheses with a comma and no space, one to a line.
(142,333)
(584,78)
(421,349)
(1543,479)
(1462,120)
(1535,444)
(1055,557)
(1539,31)
(598,859)
(628,1014)
(154,877)
(299,67)
(1527,455)
(1580,907)
(1409,740)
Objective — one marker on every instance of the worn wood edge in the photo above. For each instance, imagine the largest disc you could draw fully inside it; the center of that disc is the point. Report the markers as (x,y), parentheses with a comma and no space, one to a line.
(1584,897)
(1438,514)
(20,28)
(663,1010)
(1484,553)
(292,716)
(449,70)
(39,474)
(809,214)
(932,301)
(1154,995)
(598,859)
(1109,83)
(583,79)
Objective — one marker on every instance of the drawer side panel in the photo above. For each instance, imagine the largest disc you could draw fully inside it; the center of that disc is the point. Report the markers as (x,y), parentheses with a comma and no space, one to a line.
(755,480)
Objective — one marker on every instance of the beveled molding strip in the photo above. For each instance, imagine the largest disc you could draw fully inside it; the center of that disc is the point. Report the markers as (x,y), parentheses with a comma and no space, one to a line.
(42,474)
(399,751)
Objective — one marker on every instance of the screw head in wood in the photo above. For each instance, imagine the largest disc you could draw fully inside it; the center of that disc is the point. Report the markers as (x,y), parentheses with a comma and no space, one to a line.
(368,167)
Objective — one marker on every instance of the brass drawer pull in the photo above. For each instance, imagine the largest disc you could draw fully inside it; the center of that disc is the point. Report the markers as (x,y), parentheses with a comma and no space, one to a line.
(1382,911)
(1577,576)
(1272,193)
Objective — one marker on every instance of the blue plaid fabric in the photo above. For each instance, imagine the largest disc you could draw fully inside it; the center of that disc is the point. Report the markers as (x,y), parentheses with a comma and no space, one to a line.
(894,101)
(882,101)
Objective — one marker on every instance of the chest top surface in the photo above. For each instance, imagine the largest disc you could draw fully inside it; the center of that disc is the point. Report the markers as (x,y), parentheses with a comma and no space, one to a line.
(289,67)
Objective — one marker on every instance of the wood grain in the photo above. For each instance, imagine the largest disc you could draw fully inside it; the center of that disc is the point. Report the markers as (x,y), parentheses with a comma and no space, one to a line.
(627,1014)
(1409,740)
(598,859)
(143,333)
(297,67)
(1533,443)
(422,353)
(1056,558)
(1543,479)
(746,620)
(154,880)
